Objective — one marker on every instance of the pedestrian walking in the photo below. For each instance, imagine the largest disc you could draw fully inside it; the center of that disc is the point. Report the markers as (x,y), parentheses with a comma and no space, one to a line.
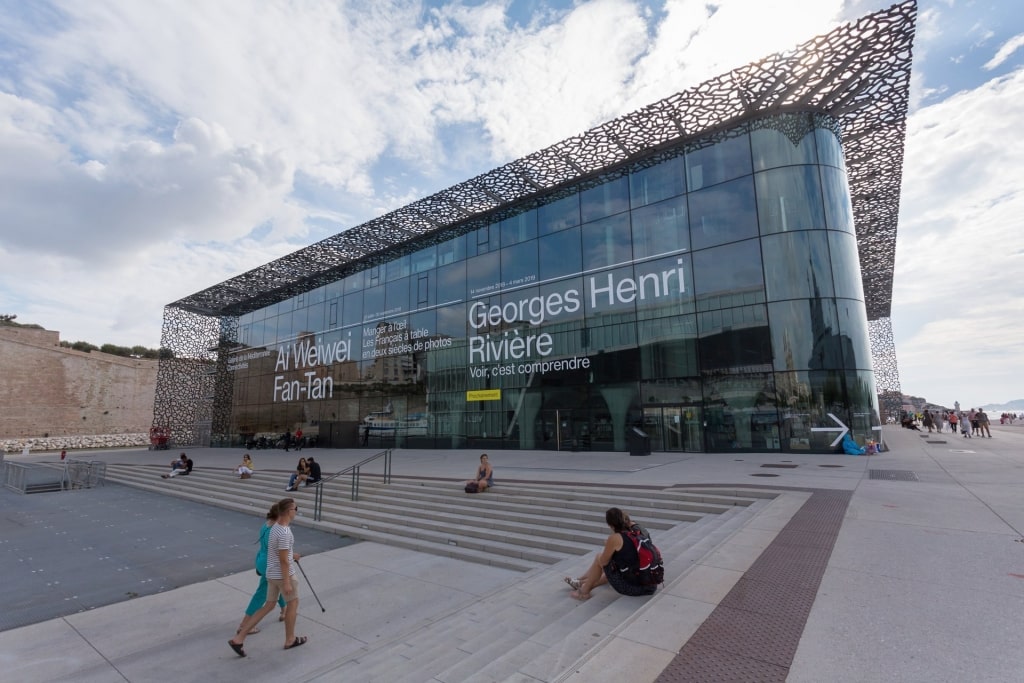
(259,598)
(281,559)
(983,429)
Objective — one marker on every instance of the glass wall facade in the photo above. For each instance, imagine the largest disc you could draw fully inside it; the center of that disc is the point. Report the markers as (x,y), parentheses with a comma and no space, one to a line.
(709,295)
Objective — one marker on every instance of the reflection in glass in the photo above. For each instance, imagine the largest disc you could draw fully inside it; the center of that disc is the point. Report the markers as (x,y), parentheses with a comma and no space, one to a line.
(853,325)
(424,259)
(724,213)
(668,347)
(660,228)
(559,214)
(352,310)
(451,251)
(846,265)
(374,303)
(740,412)
(789,199)
(830,152)
(483,274)
(838,210)
(607,242)
(724,160)
(519,264)
(773,147)
(397,268)
(519,228)
(451,282)
(805,335)
(654,183)
(560,254)
(734,338)
(664,287)
(728,275)
(796,265)
(608,198)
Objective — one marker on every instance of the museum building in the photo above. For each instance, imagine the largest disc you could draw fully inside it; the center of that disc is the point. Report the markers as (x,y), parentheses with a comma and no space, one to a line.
(710,273)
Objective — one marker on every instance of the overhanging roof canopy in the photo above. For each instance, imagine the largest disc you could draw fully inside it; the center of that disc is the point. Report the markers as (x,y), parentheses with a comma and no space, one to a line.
(858,74)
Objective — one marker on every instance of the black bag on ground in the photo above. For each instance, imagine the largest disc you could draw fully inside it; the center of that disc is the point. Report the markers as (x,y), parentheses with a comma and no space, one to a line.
(472,487)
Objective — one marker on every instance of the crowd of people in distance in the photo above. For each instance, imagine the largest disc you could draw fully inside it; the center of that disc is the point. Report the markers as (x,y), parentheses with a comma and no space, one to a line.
(970,423)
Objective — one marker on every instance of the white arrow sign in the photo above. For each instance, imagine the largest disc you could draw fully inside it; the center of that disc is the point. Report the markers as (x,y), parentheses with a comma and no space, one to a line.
(842,429)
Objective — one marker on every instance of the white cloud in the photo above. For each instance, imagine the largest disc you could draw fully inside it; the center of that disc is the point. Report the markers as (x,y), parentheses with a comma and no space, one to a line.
(956,312)
(1005,51)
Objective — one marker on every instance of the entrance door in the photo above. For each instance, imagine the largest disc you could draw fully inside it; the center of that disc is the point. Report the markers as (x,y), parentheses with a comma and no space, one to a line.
(675,428)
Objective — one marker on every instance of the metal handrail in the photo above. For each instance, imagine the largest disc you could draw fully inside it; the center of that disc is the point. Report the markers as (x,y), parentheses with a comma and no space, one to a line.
(354,470)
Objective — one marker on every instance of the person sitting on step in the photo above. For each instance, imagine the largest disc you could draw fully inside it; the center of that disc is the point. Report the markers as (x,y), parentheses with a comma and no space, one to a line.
(183,465)
(298,476)
(246,469)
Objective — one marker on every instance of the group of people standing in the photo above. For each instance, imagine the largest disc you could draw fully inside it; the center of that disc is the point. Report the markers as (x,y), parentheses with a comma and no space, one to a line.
(969,423)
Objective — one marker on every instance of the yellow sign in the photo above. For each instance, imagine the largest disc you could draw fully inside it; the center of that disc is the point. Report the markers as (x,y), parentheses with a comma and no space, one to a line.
(484,395)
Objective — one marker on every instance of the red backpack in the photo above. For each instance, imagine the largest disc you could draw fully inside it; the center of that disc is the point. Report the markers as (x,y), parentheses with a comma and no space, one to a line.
(650,570)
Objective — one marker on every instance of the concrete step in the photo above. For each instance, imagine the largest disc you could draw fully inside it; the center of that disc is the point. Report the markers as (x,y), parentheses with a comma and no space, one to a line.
(515,527)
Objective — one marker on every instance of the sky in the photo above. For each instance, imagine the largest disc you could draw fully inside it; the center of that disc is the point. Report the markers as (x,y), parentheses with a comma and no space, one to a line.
(149,150)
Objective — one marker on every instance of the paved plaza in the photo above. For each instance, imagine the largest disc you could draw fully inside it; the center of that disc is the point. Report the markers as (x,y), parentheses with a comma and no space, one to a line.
(924,582)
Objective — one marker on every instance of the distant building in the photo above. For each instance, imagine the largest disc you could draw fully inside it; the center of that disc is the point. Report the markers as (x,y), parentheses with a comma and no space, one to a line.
(693,270)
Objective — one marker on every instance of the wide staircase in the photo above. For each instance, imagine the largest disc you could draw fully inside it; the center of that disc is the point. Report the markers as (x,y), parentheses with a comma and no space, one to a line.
(541,532)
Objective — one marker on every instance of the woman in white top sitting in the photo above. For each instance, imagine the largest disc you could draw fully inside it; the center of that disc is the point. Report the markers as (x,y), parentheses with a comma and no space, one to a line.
(246,468)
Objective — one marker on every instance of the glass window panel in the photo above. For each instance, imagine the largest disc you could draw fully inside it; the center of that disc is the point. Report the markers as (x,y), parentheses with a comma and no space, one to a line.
(483,274)
(334,289)
(424,259)
(805,399)
(317,295)
(664,287)
(397,296)
(559,215)
(838,210)
(374,303)
(451,282)
(830,152)
(668,347)
(563,301)
(607,242)
(719,162)
(796,265)
(609,293)
(846,266)
(805,335)
(723,274)
(660,228)
(774,148)
(422,290)
(724,213)
(397,268)
(451,322)
(560,254)
(519,228)
(484,240)
(451,251)
(315,317)
(608,198)
(789,199)
(734,338)
(519,264)
(740,413)
(853,324)
(655,183)
(355,282)
(352,310)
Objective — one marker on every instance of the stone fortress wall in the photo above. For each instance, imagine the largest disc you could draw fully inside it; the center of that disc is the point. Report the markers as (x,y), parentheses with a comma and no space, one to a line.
(53,397)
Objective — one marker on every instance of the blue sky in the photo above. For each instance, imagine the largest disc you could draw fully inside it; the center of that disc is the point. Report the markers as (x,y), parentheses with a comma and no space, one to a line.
(151,149)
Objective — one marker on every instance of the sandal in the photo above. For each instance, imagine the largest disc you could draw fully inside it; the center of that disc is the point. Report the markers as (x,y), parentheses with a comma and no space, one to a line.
(573,583)
(237,647)
(299,640)
(253,631)
(281,617)
(576,595)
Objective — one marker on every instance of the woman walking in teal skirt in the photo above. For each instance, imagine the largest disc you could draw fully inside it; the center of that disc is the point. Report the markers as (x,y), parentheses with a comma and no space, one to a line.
(259,598)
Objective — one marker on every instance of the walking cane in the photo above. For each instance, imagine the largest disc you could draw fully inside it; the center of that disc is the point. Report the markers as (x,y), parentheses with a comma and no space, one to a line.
(299,565)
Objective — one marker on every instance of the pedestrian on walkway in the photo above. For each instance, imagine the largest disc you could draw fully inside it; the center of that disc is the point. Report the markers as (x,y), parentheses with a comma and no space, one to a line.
(281,559)
(983,424)
(953,420)
(259,598)
(965,425)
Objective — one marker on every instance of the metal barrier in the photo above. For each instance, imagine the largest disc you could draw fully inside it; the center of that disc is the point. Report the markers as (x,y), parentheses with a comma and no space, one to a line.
(354,470)
(83,474)
(25,477)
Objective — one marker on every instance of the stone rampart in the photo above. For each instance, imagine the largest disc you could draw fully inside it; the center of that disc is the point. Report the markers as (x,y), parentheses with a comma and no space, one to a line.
(47,390)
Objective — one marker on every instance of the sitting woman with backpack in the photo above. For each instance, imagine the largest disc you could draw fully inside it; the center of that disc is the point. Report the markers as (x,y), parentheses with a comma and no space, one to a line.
(617,564)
